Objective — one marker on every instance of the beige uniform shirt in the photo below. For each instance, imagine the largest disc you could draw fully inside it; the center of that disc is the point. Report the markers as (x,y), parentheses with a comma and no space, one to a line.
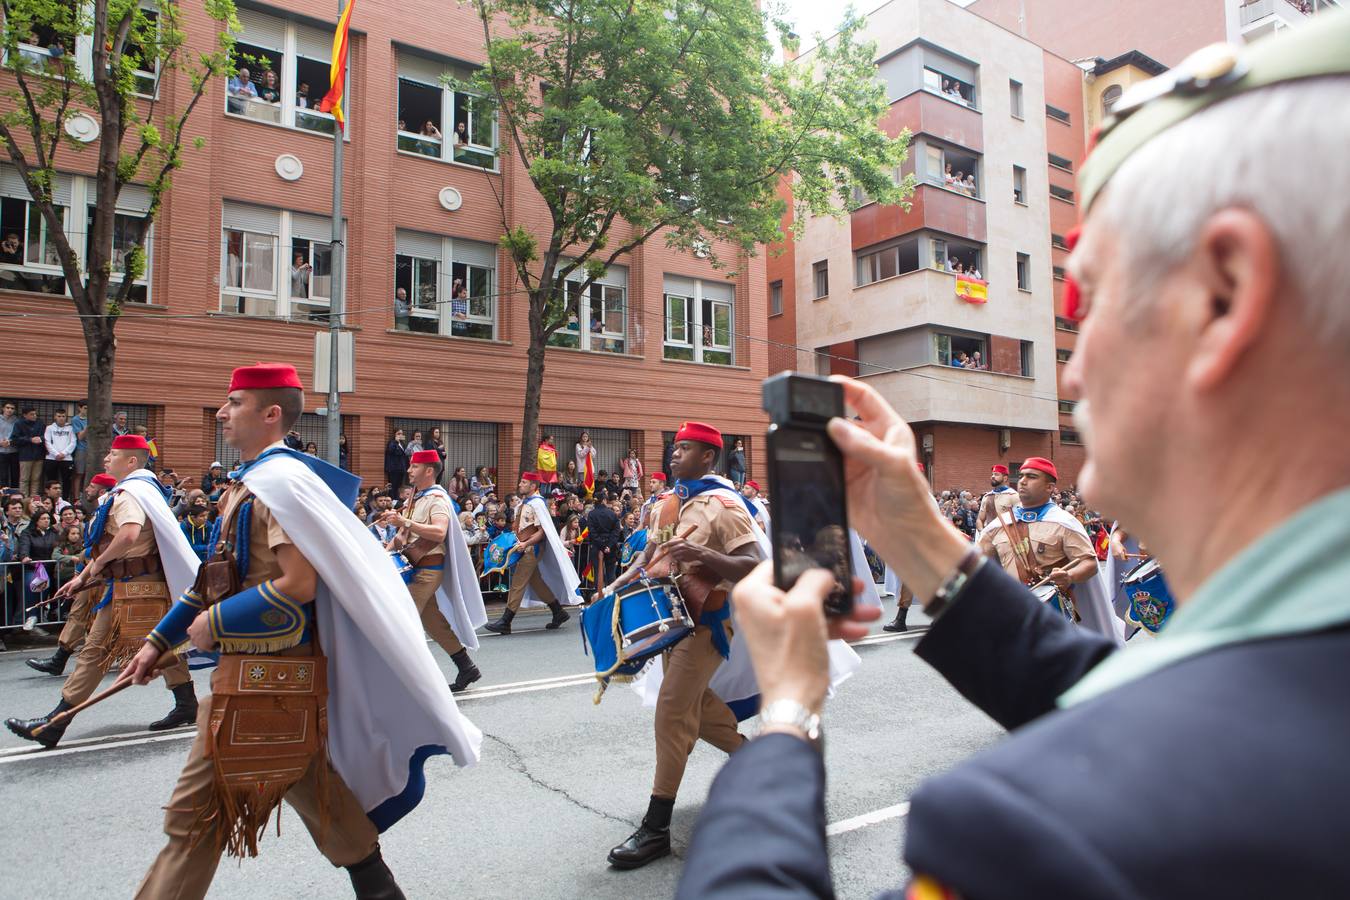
(718,523)
(126,511)
(424,511)
(994,505)
(526,517)
(265,535)
(1052,545)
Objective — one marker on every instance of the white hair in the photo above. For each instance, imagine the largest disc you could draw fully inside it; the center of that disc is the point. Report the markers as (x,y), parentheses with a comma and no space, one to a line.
(1284,153)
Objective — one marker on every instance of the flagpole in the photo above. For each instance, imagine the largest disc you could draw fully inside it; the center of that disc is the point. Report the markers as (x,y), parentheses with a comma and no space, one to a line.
(336,293)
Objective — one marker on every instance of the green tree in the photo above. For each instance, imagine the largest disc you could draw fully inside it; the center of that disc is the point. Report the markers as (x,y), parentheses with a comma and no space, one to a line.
(84,58)
(672,118)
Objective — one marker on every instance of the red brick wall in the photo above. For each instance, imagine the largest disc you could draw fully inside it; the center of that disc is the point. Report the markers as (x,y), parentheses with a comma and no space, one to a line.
(962,454)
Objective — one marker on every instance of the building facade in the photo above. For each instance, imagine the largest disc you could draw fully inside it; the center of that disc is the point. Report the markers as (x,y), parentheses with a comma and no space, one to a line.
(241,266)
(875,294)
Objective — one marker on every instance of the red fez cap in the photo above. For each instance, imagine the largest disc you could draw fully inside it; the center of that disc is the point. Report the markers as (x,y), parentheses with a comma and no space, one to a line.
(265,376)
(530,476)
(752,484)
(999,469)
(697,431)
(130,442)
(426,456)
(658,476)
(103,480)
(1041,464)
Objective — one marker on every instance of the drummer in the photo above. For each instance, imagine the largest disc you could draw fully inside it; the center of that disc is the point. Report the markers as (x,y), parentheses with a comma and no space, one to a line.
(705,530)
(1051,547)
(1000,499)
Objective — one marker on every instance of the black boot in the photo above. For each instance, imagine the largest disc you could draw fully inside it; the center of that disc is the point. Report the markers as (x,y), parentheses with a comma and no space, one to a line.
(184,710)
(899,623)
(560,616)
(49,736)
(52,665)
(650,842)
(468,672)
(372,880)
(502,625)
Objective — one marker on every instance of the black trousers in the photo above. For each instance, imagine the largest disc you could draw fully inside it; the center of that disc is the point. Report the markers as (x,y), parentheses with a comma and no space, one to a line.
(62,470)
(9,469)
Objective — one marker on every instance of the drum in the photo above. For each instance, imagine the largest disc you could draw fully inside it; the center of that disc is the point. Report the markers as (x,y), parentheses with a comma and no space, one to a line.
(1151,602)
(405,568)
(501,554)
(1061,602)
(626,629)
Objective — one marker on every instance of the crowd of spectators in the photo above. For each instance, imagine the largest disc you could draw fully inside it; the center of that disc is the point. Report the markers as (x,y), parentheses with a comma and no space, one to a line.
(959,181)
(963,360)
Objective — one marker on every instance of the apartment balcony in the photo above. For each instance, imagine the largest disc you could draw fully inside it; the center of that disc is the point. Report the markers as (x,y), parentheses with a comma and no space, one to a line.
(930,113)
(936,393)
(1258,18)
(932,206)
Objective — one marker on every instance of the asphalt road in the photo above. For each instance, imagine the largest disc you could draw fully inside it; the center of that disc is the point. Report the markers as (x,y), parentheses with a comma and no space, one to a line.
(561,780)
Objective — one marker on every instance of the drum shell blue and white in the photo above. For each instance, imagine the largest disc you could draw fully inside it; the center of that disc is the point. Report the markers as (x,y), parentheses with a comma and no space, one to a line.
(1151,601)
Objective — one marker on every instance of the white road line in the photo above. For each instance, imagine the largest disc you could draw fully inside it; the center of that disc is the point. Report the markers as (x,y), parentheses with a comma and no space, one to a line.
(65,751)
(487,695)
(885,814)
(186,730)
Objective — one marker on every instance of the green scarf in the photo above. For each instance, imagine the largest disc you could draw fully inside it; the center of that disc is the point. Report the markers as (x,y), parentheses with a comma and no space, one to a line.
(1293,580)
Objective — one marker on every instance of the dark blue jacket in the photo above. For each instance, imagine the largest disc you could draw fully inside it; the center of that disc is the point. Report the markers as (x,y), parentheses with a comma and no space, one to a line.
(22,440)
(1224,775)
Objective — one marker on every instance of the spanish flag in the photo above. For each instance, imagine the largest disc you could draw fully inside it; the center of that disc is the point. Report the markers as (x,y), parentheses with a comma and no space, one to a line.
(337,69)
(972,290)
(588,480)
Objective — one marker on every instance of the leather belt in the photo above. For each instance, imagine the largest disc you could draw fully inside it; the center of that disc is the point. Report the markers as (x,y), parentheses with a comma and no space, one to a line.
(434,559)
(132,567)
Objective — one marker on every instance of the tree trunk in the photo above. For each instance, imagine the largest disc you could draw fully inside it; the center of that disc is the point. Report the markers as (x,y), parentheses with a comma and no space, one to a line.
(101,347)
(534,385)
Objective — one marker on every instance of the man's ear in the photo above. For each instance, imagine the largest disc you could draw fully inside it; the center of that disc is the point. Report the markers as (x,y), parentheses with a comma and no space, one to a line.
(1238,265)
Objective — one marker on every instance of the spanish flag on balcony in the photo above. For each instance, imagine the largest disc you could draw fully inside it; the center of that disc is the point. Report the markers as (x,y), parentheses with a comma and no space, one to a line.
(337,69)
(972,290)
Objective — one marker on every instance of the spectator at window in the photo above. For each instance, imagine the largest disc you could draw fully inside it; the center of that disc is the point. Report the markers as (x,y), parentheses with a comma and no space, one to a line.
(947,176)
(736,464)
(481,481)
(59,438)
(632,470)
(959,359)
(344,462)
(970,184)
(396,460)
(270,92)
(241,85)
(459,483)
(300,272)
(402,309)
(302,95)
(459,299)
(402,125)
(414,445)
(435,442)
(975,273)
(120,423)
(959,268)
(430,130)
(27,436)
(11,250)
(461,135)
(975,361)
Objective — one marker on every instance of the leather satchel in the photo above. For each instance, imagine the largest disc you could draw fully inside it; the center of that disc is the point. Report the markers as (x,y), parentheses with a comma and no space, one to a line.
(137,607)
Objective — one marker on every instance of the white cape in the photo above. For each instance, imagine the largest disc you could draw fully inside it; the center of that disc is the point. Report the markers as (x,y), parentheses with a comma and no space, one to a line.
(176,555)
(734,681)
(460,597)
(554,564)
(389,708)
(1114,570)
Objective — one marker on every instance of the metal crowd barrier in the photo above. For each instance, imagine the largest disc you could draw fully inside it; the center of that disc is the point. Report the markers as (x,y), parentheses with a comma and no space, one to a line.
(21,606)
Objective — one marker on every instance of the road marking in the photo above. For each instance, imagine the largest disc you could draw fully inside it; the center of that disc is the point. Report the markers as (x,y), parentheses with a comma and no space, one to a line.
(884,814)
(38,753)
(184,731)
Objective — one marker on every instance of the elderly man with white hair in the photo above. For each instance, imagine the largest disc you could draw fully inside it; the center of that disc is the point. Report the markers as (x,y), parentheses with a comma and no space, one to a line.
(1209,762)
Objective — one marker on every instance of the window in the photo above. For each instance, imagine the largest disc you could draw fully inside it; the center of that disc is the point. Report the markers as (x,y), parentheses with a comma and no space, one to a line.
(1063,324)
(144,59)
(1110,97)
(444,285)
(597,315)
(437,120)
(1019,185)
(951,168)
(1015,98)
(28,260)
(126,235)
(281,73)
(1027,351)
(1060,193)
(1057,114)
(960,259)
(700,320)
(1057,241)
(467,444)
(311,427)
(776,298)
(821,271)
(960,351)
(1069,436)
(1066,406)
(275,263)
(1063,354)
(1023,272)
(897,259)
(1060,162)
(952,88)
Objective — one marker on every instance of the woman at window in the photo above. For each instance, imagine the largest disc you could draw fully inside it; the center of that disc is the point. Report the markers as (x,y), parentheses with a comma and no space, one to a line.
(270,90)
(461,133)
(415,444)
(481,482)
(396,460)
(430,130)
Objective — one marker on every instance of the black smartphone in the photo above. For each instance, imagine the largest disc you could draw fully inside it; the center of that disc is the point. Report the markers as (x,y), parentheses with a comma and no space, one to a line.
(810,516)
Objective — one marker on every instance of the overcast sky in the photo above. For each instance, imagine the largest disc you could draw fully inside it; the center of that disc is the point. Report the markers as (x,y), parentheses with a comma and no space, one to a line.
(824,16)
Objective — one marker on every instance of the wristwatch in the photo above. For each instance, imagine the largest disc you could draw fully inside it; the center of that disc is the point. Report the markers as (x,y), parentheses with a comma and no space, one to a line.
(794,715)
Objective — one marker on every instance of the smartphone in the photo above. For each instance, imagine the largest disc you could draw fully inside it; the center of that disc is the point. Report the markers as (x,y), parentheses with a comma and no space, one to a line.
(810,516)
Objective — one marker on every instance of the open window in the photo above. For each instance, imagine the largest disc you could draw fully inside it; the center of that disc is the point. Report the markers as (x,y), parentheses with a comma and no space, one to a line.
(437,120)
(887,262)
(597,314)
(949,86)
(960,351)
(700,321)
(444,286)
(957,257)
(952,168)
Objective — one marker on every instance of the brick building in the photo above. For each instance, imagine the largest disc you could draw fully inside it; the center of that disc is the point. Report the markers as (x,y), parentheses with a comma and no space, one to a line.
(240,267)
(875,295)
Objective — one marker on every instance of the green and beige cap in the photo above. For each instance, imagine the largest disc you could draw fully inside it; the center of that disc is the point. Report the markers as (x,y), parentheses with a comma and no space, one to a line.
(1317,49)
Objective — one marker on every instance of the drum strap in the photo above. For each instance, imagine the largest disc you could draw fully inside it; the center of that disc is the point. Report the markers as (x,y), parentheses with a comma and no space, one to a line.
(1025,567)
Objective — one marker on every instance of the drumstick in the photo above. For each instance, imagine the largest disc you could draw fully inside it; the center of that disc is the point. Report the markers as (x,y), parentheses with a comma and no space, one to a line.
(121,684)
(660,551)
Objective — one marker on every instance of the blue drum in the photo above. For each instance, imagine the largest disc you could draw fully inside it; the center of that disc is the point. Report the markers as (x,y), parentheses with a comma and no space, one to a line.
(501,555)
(405,568)
(1151,602)
(629,627)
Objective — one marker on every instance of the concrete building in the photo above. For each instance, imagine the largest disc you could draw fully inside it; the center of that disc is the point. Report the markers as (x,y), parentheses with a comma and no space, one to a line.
(875,294)
(241,267)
